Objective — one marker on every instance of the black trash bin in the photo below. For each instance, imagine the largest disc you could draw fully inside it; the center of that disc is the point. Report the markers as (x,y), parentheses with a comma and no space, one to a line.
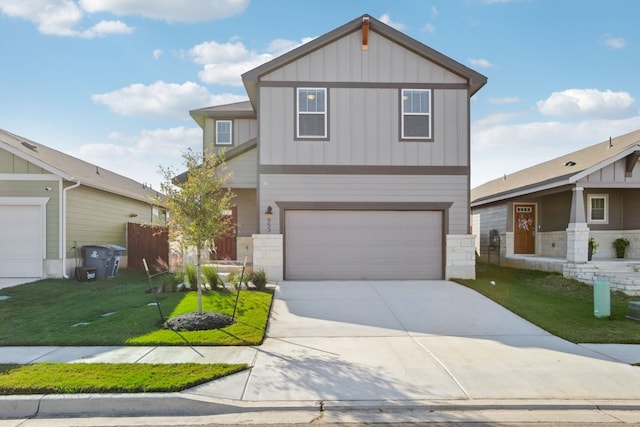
(115,259)
(99,257)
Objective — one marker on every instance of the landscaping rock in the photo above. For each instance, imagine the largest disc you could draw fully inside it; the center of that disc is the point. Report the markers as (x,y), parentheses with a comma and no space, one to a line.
(199,322)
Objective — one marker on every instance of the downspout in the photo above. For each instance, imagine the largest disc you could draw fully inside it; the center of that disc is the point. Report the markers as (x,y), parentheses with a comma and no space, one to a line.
(64,228)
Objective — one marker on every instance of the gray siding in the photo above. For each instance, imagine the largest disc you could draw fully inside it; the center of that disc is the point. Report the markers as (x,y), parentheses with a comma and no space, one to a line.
(243,131)
(244,170)
(246,201)
(345,61)
(13,164)
(364,130)
(613,173)
(486,219)
(367,189)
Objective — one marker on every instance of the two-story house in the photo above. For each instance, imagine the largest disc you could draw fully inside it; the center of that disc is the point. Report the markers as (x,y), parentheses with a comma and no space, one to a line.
(351,159)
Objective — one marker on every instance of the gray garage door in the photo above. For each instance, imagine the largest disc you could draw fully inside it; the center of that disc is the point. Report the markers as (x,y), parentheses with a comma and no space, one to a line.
(357,245)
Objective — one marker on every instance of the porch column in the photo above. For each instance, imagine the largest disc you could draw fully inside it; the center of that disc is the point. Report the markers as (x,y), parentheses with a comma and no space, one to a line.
(577,231)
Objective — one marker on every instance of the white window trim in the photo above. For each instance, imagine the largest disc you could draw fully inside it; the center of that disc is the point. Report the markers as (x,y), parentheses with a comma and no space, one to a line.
(299,113)
(230,132)
(429,114)
(606,209)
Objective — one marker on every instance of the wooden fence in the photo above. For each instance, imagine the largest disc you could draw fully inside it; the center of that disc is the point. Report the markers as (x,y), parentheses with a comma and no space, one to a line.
(150,242)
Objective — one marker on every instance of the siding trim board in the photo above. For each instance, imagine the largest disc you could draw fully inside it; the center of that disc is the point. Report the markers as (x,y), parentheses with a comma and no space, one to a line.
(362,170)
(362,85)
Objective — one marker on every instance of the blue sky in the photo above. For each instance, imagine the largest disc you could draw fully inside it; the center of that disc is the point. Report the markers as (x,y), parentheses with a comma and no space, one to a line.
(112,81)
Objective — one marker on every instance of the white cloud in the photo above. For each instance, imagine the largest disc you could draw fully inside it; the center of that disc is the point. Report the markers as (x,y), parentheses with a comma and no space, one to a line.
(499,148)
(157,53)
(159,99)
(481,63)
(587,103)
(224,63)
(387,20)
(65,17)
(60,18)
(139,157)
(613,42)
(169,10)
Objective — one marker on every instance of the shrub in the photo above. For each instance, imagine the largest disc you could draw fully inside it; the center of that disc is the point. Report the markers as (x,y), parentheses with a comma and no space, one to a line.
(190,275)
(211,276)
(259,279)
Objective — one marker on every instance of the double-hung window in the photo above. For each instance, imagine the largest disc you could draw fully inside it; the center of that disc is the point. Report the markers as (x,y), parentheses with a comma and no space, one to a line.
(598,208)
(416,114)
(311,112)
(223,132)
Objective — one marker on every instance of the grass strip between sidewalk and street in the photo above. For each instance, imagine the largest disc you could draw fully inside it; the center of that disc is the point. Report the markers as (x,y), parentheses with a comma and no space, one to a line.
(62,378)
(561,306)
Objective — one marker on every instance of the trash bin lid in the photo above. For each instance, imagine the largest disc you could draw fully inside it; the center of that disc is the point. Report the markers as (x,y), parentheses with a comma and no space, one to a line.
(117,249)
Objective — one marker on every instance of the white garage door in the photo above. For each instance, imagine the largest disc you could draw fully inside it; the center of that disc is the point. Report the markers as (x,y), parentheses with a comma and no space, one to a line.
(21,241)
(327,245)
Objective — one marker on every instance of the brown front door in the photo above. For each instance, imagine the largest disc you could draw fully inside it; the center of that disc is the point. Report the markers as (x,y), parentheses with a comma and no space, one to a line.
(524,229)
(226,246)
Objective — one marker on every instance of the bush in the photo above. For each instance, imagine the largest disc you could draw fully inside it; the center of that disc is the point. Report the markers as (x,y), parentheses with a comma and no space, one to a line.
(190,276)
(168,282)
(259,280)
(211,276)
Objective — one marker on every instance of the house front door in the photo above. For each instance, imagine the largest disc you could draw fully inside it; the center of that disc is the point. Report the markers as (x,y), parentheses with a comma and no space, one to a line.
(226,246)
(524,229)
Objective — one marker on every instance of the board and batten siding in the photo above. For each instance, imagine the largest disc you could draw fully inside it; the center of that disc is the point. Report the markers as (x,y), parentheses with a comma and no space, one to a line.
(344,61)
(613,173)
(367,189)
(246,202)
(243,169)
(242,131)
(97,217)
(364,130)
(38,188)
(10,163)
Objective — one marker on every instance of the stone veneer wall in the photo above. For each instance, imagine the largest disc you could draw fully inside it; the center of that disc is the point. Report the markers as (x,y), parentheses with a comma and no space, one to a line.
(268,255)
(460,256)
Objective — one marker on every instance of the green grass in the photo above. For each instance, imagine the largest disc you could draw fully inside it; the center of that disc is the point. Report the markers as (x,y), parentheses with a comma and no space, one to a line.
(58,378)
(563,307)
(117,311)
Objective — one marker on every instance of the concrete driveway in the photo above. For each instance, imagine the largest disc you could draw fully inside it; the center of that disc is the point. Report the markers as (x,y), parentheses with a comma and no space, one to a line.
(414,340)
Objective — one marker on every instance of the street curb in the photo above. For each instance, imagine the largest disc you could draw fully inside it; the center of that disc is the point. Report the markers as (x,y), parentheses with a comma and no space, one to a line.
(186,404)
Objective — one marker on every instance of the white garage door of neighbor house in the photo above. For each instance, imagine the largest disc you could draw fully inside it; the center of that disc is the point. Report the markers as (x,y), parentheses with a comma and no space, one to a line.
(339,245)
(21,241)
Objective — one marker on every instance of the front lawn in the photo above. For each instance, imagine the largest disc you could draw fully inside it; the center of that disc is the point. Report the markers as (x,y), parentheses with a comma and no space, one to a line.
(46,378)
(118,311)
(563,307)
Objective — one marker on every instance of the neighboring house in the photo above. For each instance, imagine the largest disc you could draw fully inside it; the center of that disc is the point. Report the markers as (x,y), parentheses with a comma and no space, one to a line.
(551,209)
(52,204)
(351,159)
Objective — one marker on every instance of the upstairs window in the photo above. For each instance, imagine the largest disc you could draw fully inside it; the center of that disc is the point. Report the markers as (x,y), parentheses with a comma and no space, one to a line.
(416,114)
(223,132)
(598,208)
(311,105)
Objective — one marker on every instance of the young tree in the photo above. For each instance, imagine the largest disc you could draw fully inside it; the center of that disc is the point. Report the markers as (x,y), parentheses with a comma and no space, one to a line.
(197,203)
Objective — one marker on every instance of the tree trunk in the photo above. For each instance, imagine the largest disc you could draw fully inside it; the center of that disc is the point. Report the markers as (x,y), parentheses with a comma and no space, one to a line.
(199,280)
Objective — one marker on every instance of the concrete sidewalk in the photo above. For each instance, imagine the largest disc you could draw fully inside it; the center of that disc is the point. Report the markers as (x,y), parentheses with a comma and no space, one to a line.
(339,345)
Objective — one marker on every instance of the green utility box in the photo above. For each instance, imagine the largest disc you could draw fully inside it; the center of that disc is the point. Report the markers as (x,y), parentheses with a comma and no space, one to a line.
(601,298)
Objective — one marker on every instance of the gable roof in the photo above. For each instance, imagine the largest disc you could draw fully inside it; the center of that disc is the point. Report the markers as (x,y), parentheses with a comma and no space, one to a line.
(251,77)
(70,168)
(563,170)
(238,110)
